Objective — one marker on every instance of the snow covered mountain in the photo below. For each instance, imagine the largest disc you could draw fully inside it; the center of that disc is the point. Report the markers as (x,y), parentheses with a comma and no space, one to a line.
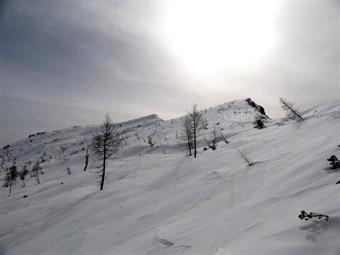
(156,200)
(228,118)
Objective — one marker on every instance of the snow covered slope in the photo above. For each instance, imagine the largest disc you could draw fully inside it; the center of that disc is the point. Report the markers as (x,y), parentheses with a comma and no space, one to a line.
(227,119)
(156,200)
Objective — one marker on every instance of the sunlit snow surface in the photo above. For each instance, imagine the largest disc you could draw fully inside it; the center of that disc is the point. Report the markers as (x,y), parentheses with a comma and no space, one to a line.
(156,200)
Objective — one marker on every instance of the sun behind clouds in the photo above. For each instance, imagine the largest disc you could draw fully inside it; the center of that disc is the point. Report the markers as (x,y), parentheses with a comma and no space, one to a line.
(210,36)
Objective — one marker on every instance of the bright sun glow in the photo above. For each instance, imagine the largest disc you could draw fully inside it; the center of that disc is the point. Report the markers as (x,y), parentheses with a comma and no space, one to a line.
(211,36)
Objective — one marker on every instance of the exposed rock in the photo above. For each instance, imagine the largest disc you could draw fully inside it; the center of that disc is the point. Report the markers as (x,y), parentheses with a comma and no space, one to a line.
(256,106)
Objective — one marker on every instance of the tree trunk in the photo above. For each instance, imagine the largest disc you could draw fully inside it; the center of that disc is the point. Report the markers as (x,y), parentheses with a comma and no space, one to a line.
(189,143)
(38,180)
(104,163)
(291,108)
(195,151)
(10,188)
(299,116)
(86,162)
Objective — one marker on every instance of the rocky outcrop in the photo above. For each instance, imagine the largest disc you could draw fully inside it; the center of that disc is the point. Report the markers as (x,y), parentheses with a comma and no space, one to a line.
(259,108)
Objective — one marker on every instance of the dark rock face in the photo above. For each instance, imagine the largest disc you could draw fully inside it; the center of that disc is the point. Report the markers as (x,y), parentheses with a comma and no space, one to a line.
(256,106)
(259,123)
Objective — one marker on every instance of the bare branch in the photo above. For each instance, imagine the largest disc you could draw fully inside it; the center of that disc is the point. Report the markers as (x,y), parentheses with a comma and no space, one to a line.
(246,159)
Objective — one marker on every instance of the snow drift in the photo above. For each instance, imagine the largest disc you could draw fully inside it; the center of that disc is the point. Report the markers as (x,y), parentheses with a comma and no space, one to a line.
(159,201)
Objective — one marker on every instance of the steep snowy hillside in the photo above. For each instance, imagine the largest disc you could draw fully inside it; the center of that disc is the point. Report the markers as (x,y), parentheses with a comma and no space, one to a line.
(156,200)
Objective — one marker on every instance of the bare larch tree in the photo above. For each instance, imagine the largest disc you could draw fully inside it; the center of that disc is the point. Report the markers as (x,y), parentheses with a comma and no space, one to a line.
(6,158)
(187,132)
(291,109)
(198,124)
(22,175)
(246,159)
(104,145)
(87,155)
(36,171)
(11,177)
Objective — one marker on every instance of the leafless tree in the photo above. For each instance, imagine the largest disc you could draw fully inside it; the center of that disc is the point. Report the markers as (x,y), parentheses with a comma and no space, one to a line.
(213,139)
(198,124)
(87,155)
(36,170)
(291,109)
(246,159)
(6,159)
(104,145)
(10,178)
(187,132)
(22,175)
(68,171)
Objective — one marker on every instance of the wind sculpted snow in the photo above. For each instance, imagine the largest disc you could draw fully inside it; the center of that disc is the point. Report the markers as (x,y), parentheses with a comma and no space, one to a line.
(159,201)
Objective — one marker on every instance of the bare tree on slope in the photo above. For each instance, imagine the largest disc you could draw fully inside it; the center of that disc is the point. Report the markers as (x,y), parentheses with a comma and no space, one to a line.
(104,145)
(36,171)
(198,124)
(291,109)
(11,177)
(87,155)
(22,175)
(187,133)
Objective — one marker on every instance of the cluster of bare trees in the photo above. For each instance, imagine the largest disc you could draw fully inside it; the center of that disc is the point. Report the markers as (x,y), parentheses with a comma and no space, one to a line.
(11,177)
(103,146)
(7,164)
(193,124)
(36,171)
(108,140)
(12,173)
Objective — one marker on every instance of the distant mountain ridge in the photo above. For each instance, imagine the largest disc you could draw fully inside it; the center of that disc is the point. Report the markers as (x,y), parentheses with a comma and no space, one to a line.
(224,118)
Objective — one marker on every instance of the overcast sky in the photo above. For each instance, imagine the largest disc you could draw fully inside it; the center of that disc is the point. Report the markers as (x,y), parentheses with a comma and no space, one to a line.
(68,62)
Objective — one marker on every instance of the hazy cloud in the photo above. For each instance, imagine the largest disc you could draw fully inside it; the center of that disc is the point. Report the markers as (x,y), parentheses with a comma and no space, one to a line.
(66,63)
